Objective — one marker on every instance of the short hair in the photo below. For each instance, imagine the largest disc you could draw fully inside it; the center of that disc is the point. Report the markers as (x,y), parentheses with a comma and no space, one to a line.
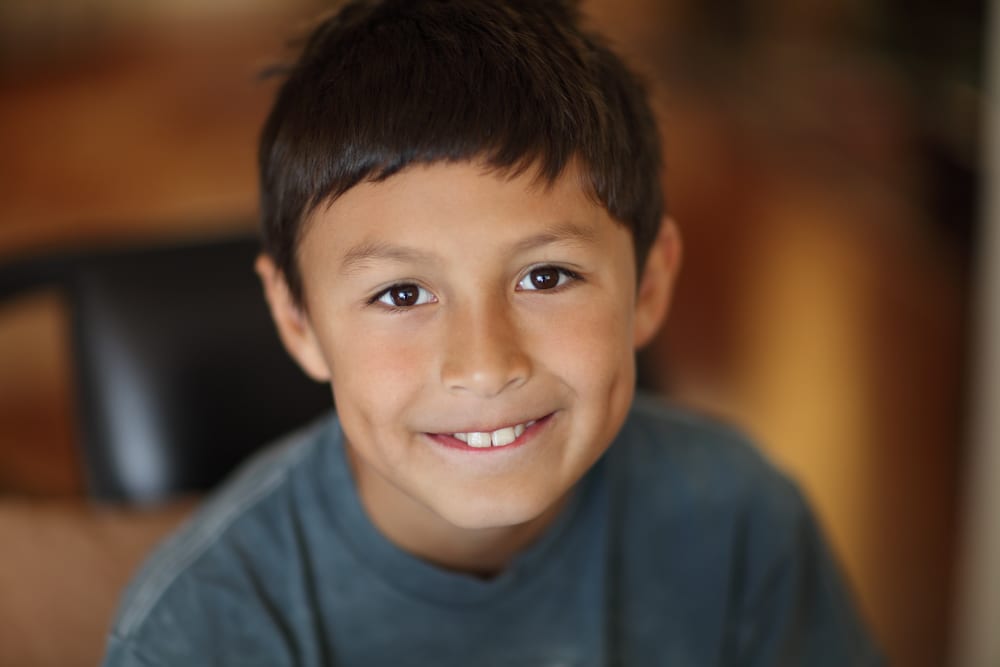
(381,85)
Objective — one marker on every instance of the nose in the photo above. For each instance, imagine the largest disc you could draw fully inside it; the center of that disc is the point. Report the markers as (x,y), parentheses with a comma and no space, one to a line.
(484,353)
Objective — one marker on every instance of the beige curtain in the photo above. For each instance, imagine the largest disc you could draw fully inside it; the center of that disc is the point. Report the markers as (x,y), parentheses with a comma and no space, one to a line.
(976,640)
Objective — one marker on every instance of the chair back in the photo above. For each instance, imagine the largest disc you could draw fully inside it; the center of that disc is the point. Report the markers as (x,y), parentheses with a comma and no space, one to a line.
(179,373)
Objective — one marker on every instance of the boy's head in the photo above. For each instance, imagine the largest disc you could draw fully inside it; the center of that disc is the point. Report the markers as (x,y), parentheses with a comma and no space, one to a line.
(517,85)
(464,236)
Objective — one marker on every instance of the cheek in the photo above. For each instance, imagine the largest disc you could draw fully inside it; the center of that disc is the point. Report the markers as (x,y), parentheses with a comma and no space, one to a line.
(592,343)
(378,371)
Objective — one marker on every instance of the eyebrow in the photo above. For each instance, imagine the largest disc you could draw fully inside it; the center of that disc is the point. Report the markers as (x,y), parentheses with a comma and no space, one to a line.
(565,232)
(372,251)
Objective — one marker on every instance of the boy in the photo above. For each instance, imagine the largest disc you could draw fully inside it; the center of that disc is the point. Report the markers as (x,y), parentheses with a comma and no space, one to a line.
(464,236)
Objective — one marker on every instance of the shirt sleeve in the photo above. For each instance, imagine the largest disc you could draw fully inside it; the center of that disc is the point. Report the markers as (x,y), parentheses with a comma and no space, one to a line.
(201,621)
(796,607)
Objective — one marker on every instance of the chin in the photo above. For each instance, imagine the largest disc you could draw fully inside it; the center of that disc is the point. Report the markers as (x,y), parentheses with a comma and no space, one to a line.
(491,513)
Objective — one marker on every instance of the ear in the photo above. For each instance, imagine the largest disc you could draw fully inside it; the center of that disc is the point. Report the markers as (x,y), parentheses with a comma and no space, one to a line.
(293,324)
(656,284)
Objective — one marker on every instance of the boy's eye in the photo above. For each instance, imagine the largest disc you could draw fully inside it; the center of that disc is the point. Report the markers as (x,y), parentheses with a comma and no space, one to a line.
(404,296)
(545,277)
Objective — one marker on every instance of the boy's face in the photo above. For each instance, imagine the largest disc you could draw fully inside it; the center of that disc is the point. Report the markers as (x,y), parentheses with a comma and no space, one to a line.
(448,300)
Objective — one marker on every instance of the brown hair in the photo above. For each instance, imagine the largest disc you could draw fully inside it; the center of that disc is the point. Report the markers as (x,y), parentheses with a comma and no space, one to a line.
(384,84)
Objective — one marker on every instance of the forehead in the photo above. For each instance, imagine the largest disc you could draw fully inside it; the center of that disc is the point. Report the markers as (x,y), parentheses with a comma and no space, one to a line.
(453,203)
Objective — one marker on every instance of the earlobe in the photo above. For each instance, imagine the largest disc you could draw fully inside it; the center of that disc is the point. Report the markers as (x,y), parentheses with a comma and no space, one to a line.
(656,284)
(294,328)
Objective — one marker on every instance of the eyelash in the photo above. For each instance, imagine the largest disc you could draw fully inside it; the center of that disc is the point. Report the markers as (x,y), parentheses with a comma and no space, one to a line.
(571,277)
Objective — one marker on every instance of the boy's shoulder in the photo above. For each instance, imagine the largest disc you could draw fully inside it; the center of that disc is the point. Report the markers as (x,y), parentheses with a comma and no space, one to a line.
(685,455)
(245,513)
(721,525)
(687,478)
(674,429)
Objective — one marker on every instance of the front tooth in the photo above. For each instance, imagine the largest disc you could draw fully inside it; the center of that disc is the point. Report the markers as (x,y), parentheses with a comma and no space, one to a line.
(503,436)
(479,440)
(464,437)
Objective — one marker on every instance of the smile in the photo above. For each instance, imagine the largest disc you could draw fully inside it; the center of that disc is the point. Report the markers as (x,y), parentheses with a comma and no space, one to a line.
(508,436)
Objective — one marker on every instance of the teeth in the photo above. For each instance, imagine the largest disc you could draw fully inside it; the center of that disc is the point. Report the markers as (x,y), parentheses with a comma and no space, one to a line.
(503,436)
(479,440)
(498,438)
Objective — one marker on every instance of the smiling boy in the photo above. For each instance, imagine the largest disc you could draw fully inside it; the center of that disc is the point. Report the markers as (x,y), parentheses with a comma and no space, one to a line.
(464,236)
(451,307)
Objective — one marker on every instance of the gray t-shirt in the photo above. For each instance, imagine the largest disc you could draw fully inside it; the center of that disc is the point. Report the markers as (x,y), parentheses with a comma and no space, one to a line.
(681,547)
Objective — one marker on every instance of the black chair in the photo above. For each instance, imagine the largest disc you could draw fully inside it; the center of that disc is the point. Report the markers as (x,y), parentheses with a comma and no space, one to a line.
(179,372)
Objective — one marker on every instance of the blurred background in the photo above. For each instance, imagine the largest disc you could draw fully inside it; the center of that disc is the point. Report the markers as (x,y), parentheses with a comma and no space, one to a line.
(824,164)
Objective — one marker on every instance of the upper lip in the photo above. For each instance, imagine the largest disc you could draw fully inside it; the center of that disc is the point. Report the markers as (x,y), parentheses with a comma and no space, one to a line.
(491,429)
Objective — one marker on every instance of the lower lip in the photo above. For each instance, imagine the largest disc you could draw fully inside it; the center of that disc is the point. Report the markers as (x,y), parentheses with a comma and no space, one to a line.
(526,437)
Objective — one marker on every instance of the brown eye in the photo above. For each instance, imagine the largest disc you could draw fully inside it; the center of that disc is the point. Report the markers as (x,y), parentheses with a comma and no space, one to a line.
(546,278)
(405,295)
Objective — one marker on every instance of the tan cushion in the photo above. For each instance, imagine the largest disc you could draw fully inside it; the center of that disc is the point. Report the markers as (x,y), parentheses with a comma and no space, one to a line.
(63,566)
